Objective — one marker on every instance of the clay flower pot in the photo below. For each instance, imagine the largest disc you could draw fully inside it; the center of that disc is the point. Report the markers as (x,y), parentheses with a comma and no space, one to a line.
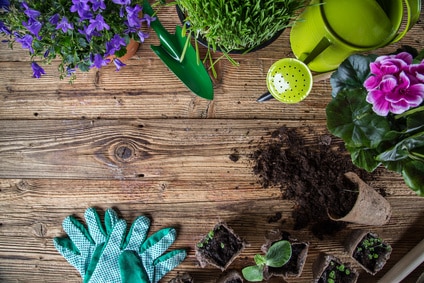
(219,247)
(328,268)
(132,48)
(368,250)
(294,267)
(370,207)
(231,276)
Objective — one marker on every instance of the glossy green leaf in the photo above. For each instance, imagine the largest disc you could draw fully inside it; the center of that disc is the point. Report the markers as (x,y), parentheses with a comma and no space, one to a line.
(403,149)
(351,118)
(278,254)
(351,73)
(413,174)
(364,158)
(253,273)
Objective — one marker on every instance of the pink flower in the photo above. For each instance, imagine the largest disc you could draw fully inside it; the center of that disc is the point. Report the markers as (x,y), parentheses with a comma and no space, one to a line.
(417,71)
(395,85)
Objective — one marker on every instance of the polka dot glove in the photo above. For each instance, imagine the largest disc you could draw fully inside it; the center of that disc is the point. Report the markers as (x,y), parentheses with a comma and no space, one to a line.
(135,258)
(81,244)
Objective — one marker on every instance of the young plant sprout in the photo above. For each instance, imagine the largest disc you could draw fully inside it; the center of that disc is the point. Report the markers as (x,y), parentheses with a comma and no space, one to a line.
(278,255)
(371,245)
(332,275)
(207,239)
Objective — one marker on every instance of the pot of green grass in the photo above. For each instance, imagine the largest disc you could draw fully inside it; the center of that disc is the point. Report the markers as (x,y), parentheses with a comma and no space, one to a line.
(237,26)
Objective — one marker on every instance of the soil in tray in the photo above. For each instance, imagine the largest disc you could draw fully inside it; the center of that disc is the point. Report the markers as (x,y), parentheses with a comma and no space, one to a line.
(291,267)
(311,175)
(373,257)
(220,245)
(333,272)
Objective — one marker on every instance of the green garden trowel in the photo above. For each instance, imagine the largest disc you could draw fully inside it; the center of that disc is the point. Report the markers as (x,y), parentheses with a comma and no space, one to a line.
(191,72)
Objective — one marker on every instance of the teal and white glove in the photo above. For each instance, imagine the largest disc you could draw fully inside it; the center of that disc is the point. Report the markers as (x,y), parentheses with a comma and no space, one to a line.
(134,258)
(78,249)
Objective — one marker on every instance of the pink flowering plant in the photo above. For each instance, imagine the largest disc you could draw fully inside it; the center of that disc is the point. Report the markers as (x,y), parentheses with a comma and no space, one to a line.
(84,34)
(377,109)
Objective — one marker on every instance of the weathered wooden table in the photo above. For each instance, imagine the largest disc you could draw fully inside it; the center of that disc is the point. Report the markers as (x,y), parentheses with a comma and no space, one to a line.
(139,141)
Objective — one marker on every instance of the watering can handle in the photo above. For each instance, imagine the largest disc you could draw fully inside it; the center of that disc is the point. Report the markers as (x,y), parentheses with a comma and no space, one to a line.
(413,9)
(321,46)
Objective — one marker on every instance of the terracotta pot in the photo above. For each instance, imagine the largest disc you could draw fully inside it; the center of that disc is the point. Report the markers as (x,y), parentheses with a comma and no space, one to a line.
(294,267)
(370,207)
(325,263)
(132,48)
(219,247)
(358,253)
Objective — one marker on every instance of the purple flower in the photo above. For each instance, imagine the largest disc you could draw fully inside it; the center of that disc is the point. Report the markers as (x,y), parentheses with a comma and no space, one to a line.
(395,85)
(98,4)
(4,4)
(80,6)
(33,26)
(142,35)
(26,42)
(99,61)
(31,13)
(4,29)
(88,36)
(148,19)
(132,16)
(54,19)
(114,45)
(70,71)
(37,70)
(122,2)
(64,25)
(98,24)
(118,63)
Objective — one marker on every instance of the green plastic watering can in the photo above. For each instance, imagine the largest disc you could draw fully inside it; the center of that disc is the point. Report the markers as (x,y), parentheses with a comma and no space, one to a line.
(329,31)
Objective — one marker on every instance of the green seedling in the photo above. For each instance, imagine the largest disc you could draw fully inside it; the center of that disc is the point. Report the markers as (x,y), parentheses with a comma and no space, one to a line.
(370,245)
(341,268)
(278,255)
(206,240)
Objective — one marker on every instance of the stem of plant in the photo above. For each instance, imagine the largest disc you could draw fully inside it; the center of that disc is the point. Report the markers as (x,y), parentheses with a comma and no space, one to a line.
(409,112)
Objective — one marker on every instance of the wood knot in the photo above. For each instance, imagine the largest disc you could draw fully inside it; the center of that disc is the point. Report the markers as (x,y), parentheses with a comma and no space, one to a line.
(124,152)
(40,229)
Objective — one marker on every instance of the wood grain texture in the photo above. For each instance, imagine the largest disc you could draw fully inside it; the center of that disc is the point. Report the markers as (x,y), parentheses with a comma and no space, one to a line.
(139,141)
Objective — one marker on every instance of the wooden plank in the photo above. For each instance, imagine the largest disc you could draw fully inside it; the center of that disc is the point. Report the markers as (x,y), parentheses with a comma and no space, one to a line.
(32,210)
(164,148)
(135,92)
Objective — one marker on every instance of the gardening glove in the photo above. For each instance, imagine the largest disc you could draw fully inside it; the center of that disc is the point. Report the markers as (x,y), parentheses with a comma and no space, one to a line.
(81,244)
(132,258)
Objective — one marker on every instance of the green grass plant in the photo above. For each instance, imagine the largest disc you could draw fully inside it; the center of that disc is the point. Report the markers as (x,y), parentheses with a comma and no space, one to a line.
(229,25)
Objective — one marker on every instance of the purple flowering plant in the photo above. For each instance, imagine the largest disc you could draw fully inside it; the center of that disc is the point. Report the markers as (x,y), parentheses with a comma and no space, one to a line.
(83,34)
(377,109)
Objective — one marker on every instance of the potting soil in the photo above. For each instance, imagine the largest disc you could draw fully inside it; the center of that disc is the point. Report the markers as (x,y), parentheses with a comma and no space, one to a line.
(310,174)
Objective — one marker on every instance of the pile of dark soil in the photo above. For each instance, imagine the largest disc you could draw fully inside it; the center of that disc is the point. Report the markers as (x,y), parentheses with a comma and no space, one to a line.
(312,175)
